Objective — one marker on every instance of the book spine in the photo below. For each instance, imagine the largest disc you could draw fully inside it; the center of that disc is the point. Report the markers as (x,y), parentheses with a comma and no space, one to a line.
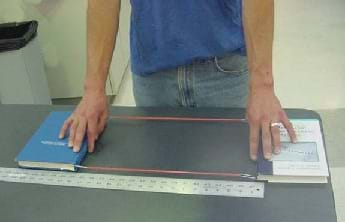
(81,155)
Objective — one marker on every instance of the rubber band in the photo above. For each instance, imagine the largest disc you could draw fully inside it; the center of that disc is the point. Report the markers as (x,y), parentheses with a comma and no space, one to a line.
(168,118)
(173,172)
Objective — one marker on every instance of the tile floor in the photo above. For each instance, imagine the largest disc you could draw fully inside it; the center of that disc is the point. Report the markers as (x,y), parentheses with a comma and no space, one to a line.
(338,183)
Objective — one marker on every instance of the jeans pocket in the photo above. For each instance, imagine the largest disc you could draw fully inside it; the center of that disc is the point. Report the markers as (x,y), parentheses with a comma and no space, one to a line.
(235,64)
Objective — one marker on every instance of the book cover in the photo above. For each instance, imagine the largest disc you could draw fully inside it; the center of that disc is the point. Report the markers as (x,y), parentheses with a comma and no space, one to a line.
(303,161)
(46,150)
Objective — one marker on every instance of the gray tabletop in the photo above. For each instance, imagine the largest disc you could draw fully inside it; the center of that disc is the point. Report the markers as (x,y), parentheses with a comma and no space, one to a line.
(188,146)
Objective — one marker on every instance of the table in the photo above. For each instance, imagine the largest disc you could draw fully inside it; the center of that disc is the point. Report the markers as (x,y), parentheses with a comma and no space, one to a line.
(171,145)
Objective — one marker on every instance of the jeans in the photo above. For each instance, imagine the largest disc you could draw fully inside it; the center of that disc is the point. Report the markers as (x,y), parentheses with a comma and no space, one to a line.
(214,82)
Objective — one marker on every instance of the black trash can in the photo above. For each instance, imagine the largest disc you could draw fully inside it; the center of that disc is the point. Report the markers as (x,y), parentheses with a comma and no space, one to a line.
(14,36)
(22,76)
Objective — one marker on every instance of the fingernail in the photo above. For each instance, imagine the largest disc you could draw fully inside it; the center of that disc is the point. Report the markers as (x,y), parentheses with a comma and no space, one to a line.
(70,144)
(294,141)
(60,136)
(253,157)
(277,150)
(75,149)
(268,155)
(90,148)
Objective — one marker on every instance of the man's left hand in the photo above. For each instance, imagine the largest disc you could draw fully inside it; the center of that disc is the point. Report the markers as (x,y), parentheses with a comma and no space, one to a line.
(264,112)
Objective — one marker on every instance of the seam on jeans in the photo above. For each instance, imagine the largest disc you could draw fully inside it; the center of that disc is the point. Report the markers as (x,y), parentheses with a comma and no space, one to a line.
(178,84)
(190,78)
(193,85)
(185,86)
(226,71)
(180,87)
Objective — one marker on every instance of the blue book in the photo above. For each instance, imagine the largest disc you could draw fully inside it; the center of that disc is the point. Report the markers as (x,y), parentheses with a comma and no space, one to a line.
(46,151)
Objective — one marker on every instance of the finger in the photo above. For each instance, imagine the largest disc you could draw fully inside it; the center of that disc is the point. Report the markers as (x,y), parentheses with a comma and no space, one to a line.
(72,131)
(79,135)
(91,134)
(102,123)
(289,127)
(276,139)
(254,133)
(266,140)
(64,127)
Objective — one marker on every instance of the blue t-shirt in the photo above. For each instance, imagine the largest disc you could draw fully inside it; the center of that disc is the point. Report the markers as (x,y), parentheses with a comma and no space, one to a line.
(168,33)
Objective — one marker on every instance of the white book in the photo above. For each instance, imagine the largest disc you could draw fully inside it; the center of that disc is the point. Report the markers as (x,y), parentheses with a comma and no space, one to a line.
(303,162)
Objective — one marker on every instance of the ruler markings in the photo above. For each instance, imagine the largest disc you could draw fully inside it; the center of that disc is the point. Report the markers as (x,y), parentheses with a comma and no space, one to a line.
(134,183)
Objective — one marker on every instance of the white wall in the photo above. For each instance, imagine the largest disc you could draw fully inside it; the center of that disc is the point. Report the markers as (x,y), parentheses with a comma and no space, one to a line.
(62,35)
(309,53)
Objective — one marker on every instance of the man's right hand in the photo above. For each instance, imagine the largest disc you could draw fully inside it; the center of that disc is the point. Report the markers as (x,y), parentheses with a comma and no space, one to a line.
(90,117)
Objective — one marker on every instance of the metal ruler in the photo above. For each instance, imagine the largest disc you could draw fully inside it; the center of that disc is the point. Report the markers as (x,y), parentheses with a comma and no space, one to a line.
(134,183)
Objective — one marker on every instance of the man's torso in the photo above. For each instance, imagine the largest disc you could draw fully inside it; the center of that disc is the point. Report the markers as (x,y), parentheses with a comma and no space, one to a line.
(166,34)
